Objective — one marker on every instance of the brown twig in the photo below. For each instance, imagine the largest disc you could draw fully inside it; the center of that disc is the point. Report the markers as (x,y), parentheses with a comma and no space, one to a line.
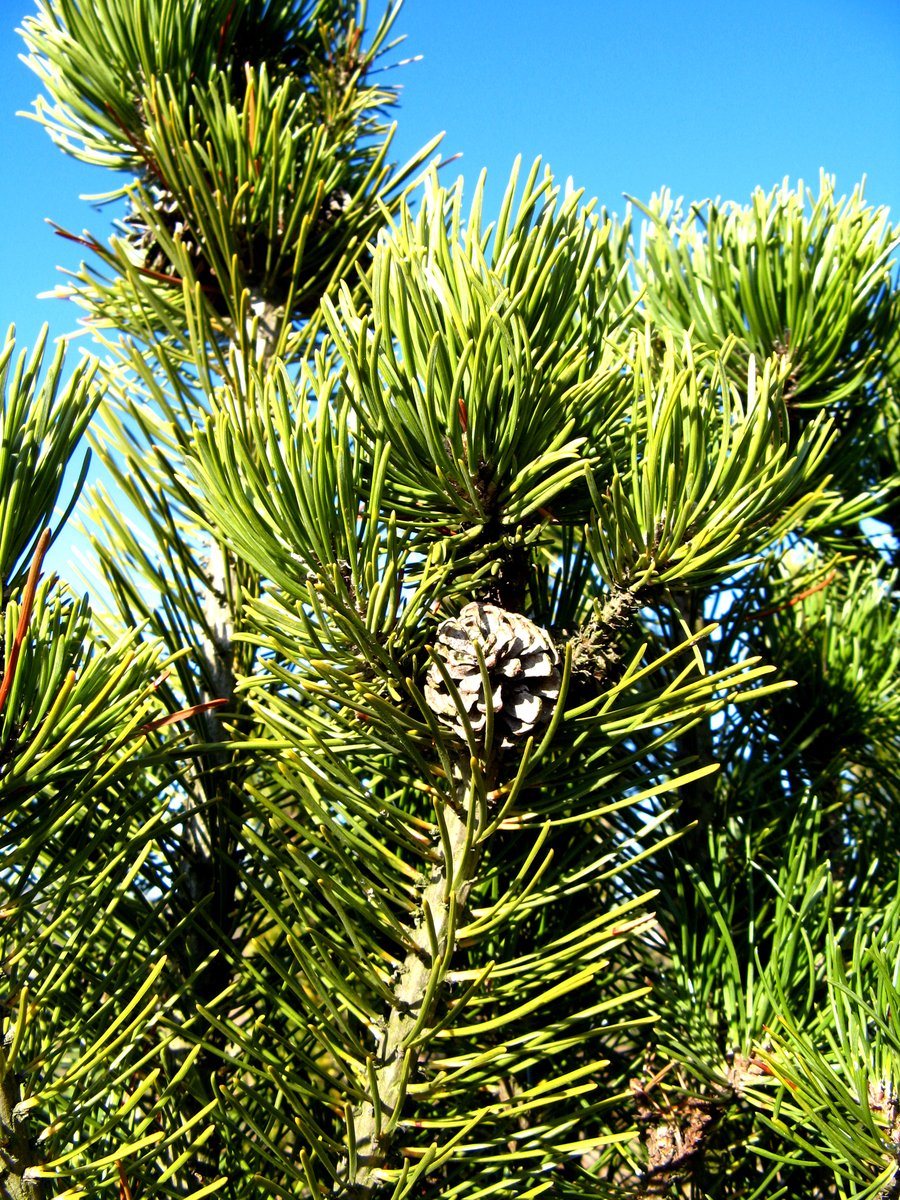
(181,715)
(810,591)
(24,616)
(124,1189)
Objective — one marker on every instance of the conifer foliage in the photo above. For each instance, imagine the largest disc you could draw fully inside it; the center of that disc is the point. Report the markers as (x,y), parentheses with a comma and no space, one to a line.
(476,773)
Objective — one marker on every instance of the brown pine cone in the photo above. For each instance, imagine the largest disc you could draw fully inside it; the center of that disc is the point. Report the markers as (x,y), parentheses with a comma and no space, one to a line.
(522,670)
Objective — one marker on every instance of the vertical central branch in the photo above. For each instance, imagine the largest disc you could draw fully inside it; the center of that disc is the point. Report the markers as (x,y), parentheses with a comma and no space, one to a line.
(375,1121)
(210,874)
(222,597)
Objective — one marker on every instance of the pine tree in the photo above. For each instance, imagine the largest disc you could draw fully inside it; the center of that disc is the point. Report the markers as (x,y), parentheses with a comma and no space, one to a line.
(482,782)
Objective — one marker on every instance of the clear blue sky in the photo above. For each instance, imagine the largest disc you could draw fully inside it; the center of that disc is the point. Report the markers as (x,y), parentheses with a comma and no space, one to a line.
(708,99)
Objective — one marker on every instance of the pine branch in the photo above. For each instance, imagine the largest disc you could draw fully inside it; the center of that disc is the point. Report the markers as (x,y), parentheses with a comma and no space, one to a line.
(379,466)
(16,1152)
(417,993)
(210,877)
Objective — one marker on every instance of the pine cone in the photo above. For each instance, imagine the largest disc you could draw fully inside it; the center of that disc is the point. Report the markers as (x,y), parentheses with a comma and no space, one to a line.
(142,237)
(522,669)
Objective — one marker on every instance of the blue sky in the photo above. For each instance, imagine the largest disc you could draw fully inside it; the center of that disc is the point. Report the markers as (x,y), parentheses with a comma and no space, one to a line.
(708,99)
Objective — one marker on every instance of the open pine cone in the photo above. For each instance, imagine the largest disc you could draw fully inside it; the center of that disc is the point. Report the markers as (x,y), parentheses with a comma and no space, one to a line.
(522,670)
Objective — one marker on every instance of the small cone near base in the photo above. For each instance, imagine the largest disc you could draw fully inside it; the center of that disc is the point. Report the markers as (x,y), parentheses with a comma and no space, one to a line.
(522,671)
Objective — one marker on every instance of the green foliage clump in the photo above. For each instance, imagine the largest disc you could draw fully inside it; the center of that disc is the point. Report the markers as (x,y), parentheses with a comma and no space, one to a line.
(482,784)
